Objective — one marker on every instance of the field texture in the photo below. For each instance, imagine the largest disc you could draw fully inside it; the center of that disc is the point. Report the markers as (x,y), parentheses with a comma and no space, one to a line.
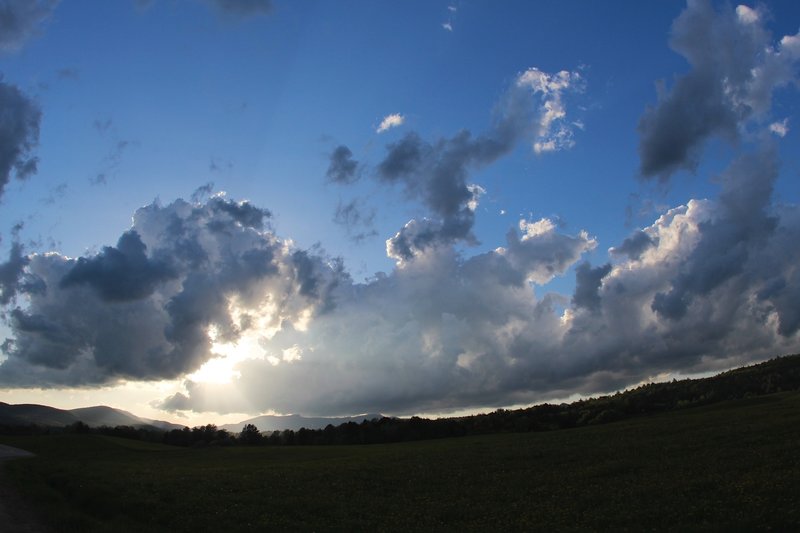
(733,466)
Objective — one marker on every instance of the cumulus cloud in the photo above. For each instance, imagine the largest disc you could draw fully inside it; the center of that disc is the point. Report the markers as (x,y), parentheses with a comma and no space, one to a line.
(149,307)
(121,273)
(390,121)
(710,284)
(22,19)
(735,68)
(726,241)
(19,134)
(442,331)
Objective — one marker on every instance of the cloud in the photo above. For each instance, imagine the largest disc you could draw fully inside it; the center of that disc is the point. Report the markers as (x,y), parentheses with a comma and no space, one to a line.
(11,273)
(22,19)
(709,284)
(342,167)
(391,121)
(553,133)
(357,219)
(68,73)
(452,11)
(191,281)
(780,128)
(634,246)
(587,284)
(19,134)
(437,172)
(122,273)
(242,8)
(726,241)
(149,307)
(735,68)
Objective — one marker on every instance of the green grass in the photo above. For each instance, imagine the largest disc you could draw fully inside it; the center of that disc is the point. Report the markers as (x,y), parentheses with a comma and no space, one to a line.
(733,466)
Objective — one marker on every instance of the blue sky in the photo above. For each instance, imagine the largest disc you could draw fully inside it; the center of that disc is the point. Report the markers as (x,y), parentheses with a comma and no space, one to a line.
(207,103)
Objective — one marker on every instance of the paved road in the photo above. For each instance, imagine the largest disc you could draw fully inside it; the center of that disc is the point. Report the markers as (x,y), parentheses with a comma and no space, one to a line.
(16,515)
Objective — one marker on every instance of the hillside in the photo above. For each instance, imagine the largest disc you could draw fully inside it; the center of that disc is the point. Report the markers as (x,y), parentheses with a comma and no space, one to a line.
(45,416)
(731,466)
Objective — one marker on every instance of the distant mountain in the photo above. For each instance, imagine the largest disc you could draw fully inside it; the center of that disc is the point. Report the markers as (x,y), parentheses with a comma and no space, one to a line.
(101,415)
(40,415)
(267,423)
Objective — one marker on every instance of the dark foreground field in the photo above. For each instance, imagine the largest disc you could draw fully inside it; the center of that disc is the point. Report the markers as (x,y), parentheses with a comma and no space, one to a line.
(730,466)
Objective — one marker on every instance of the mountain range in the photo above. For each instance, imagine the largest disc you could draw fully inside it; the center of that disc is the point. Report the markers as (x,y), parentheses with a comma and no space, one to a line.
(101,415)
(266,423)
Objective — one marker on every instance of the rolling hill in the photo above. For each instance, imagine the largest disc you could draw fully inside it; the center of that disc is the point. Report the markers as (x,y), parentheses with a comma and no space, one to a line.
(43,415)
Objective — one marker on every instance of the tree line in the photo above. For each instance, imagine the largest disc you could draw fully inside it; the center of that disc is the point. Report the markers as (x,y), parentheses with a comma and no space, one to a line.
(776,375)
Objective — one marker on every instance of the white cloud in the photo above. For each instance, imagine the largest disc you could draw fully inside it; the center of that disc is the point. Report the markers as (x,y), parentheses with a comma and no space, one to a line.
(391,121)
(553,131)
(747,15)
(780,128)
(447,26)
(476,191)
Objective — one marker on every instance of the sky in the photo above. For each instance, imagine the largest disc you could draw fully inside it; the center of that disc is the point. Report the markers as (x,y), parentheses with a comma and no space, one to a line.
(211,209)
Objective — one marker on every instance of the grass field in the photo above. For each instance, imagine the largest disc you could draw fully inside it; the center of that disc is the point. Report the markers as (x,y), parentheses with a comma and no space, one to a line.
(734,466)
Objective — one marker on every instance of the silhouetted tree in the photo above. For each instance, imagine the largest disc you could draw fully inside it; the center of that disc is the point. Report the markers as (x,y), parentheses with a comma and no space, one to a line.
(250,435)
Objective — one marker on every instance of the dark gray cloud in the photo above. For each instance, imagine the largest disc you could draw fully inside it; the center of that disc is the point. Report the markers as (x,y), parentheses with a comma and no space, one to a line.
(22,19)
(243,213)
(735,67)
(634,246)
(342,167)
(19,134)
(11,273)
(122,273)
(587,283)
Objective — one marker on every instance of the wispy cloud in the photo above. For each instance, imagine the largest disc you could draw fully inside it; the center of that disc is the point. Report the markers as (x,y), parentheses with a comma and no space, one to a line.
(22,19)
(391,121)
